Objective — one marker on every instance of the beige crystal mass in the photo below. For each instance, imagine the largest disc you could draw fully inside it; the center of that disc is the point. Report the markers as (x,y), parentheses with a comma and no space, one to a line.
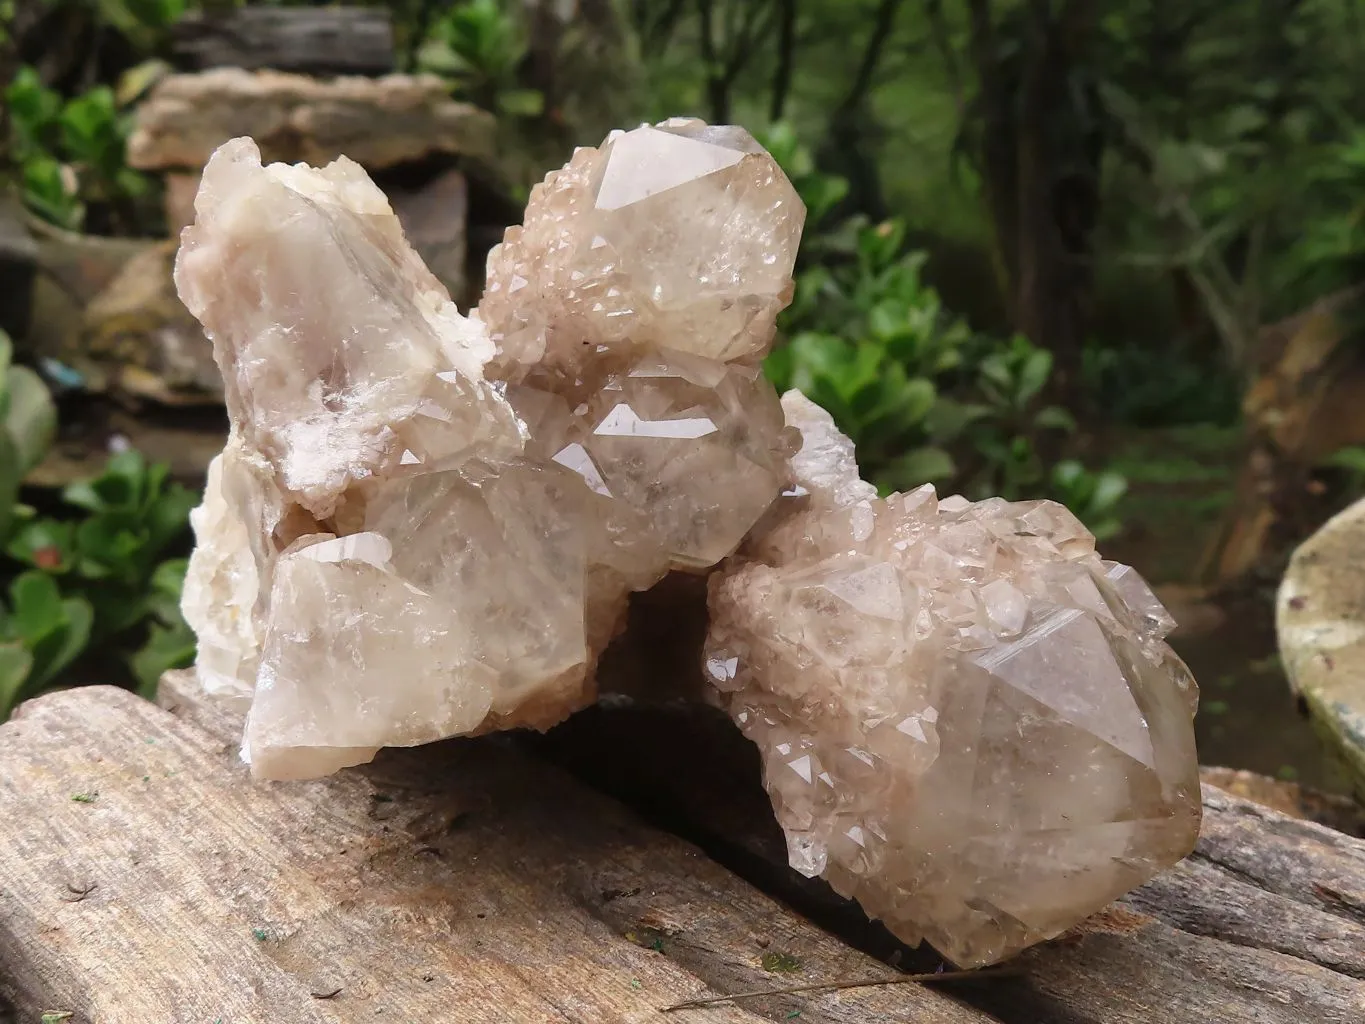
(424,525)
(969,721)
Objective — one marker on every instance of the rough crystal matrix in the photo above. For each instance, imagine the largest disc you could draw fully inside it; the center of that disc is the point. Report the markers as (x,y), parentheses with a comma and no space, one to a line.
(969,722)
(424,525)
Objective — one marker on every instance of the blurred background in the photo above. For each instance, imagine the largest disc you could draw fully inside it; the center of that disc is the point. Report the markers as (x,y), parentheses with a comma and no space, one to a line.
(1108,252)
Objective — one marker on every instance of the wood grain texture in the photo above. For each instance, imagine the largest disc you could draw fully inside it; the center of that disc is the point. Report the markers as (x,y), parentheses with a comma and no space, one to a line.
(1264,923)
(144,878)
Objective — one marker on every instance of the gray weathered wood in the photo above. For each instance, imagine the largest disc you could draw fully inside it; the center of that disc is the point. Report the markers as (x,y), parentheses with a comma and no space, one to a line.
(310,40)
(458,882)
(1265,923)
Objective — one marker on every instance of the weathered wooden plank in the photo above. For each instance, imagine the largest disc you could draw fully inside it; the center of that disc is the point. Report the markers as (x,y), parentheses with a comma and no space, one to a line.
(311,40)
(1266,922)
(143,877)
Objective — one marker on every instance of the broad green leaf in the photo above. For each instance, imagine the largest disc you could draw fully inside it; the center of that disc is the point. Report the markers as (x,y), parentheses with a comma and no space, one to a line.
(59,649)
(11,474)
(37,606)
(1352,458)
(1054,417)
(110,543)
(15,663)
(47,544)
(167,647)
(31,418)
(947,420)
(1109,488)
(1033,375)
(1067,472)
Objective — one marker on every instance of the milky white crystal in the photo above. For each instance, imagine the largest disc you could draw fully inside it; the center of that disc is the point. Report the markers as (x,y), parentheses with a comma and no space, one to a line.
(421,527)
(969,721)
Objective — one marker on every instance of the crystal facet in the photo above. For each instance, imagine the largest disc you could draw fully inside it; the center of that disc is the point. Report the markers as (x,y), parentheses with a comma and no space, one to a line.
(422,527)
(969,722)
(426,525)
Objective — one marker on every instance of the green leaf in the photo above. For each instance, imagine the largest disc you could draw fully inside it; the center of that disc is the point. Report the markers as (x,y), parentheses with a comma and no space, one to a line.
(47,544)
(108,544)
(949,418)
(15,664)
(1352,458)
(37,606)
(6,354)
(31,418)
(167,519)
(1054,417)
(139,79)
(167,647)
(58,650)
(1109,488)
(11,474)
(1033,375)
(1066,474)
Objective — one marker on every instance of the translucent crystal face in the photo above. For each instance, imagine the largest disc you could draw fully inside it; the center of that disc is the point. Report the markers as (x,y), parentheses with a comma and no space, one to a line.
(420,529)
(424,525)
(680,235)
(969,722)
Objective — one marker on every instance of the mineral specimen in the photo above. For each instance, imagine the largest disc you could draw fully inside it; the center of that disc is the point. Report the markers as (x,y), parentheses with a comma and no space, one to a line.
(969,722)
(424,525)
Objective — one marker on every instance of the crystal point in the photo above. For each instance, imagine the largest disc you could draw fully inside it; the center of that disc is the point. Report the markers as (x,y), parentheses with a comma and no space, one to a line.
(425,525)
(969,722)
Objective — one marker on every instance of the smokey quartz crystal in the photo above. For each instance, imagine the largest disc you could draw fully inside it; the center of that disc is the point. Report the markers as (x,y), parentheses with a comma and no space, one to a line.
(427,525)
(969,721)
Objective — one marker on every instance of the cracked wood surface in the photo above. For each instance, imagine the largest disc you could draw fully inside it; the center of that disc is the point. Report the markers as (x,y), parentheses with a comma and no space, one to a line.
(473,881)
(144,878)
(1265,923)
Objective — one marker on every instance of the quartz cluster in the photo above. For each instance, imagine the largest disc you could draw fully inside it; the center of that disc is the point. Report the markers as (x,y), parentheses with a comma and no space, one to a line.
(425,525)
(969,722)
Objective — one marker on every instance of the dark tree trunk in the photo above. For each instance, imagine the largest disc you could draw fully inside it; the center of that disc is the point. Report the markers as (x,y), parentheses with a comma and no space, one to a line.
(1040,165)
(786,58)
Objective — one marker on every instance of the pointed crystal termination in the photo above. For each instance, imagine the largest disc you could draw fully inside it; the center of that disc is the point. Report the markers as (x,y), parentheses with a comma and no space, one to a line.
(969,722)
(630,312)
(415,532)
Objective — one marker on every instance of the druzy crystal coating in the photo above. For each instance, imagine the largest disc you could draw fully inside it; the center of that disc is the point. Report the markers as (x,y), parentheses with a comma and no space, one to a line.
(426,525)
(969,721)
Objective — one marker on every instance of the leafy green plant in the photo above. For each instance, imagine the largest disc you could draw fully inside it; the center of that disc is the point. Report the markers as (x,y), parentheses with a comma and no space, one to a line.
(113,558)
(70,153)
(97,580)
(477,45)
(1004,425)
(872,344)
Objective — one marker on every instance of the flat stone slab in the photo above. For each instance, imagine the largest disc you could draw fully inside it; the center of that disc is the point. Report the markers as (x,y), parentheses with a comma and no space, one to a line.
(1320,619)
(377,122)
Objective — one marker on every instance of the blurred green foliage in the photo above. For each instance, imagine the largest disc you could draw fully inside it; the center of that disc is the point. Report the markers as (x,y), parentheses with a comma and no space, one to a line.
(923,396)
(93,579)
(70,153)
